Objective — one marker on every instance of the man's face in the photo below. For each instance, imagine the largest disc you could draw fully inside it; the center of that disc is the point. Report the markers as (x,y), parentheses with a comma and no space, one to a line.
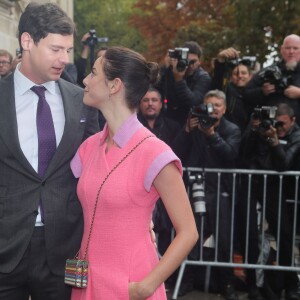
(240,76)
(46,60)
(150,105)
(218,105)
(194,64)
(5,65)
(290,50)
(287,122)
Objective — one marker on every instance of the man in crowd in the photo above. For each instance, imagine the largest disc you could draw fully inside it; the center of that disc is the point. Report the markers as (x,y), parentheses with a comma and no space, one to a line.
(184,87)
(43,122)
(232,74)
(214,144)
(150,115)
(5,63)
(281,81)
(274,145)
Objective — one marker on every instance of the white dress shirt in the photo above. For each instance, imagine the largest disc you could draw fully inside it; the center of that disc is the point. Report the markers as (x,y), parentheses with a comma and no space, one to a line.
(26,106)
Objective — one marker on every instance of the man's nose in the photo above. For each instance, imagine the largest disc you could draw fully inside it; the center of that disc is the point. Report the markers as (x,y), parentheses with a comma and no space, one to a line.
(65,57)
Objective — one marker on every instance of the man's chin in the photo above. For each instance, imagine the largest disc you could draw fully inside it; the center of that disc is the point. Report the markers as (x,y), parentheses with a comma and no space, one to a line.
(291,65)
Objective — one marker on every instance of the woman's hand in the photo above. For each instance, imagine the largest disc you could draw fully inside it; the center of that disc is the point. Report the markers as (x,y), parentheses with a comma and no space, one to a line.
(138,292)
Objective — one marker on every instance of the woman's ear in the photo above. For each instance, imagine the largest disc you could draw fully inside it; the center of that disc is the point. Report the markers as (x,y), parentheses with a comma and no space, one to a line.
(115,85)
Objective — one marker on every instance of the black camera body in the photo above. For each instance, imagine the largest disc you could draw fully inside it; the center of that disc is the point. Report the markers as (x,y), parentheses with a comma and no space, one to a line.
(93,40)
(245,60)
(181,54)
(273,75)
(266,114)
(202,112)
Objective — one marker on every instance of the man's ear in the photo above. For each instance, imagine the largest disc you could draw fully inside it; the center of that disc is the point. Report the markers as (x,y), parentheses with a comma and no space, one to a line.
(26,41)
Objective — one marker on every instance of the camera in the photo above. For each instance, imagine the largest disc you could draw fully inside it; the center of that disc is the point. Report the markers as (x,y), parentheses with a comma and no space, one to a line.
(245,60)
(203,112)
(181,54)
(266,114)
(92,40)
(198,193)
(273,75)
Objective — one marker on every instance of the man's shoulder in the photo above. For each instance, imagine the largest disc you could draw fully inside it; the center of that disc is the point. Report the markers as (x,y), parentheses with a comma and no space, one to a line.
(228,125)
(201,72)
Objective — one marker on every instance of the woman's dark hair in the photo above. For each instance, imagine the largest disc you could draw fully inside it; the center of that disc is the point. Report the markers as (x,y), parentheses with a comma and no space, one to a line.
(132,68)
(41,19)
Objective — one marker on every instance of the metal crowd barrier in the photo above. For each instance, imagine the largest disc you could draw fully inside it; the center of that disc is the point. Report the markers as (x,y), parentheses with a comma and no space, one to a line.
(235,175)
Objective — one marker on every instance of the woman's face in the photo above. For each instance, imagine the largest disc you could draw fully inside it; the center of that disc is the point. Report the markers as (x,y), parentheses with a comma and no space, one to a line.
(96,90)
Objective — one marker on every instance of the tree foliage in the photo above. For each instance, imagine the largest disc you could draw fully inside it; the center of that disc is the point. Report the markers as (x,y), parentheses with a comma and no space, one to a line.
(110,19)
(252,26)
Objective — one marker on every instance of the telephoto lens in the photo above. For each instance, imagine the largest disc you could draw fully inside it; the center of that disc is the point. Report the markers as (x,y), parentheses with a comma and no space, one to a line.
(198,196)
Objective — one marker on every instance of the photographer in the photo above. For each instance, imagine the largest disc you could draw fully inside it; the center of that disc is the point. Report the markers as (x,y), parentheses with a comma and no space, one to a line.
(211,141)
(149,114)
(184,82)
(281,81)
(273,143)
(81,62)
(232,74)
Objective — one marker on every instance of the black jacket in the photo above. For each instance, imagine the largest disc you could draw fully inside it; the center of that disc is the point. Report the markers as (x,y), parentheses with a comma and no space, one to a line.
(257,152)
(220,150)
(254,95)
(238,111)
(184,94)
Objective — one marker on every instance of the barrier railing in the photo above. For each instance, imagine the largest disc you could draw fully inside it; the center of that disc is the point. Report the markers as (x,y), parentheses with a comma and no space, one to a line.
(242,186)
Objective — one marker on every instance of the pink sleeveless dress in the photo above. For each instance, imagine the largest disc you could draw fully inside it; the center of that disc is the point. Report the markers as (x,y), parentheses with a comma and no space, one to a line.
(120,249)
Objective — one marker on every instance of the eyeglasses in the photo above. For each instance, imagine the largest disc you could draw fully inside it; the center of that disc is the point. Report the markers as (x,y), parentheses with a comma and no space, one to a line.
(4,63)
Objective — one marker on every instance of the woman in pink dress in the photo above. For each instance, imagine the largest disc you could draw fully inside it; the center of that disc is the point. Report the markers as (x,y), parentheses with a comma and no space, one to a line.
(123,262)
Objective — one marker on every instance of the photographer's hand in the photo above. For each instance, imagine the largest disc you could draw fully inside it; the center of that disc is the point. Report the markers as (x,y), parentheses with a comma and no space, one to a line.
(292,92)
(271,136)
(207,131)
(85,48)
(268,88)
(254,124)
(191,123)
(229,53)
(178,75)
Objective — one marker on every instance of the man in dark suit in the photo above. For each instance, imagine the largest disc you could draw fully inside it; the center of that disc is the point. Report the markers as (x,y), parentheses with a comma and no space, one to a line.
(40,217)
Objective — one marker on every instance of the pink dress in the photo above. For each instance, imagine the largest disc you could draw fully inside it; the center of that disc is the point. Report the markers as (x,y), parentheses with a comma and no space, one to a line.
(120,249)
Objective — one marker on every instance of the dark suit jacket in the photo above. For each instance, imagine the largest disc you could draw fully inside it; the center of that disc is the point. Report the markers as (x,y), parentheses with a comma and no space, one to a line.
(21,188)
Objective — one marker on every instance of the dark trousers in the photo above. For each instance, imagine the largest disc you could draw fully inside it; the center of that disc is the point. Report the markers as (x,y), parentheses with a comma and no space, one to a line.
(33,277)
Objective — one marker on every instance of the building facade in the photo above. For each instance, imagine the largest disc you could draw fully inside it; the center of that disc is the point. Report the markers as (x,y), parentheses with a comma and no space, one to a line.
(10,11)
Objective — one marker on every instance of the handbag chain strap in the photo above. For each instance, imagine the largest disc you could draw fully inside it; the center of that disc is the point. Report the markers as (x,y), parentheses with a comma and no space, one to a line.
(99,190)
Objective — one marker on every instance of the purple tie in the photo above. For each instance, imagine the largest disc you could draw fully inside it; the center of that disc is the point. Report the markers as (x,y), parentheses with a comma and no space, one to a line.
(46,134)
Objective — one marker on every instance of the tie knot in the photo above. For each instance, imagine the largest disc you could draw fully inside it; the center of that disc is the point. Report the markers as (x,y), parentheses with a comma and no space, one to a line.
(39,90)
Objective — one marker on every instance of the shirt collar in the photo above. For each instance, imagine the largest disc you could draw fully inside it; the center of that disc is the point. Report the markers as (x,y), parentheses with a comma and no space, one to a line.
(23,84)
(125,132)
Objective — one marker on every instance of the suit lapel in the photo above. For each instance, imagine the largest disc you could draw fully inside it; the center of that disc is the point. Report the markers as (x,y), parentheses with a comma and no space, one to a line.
(8,123)
(71,139)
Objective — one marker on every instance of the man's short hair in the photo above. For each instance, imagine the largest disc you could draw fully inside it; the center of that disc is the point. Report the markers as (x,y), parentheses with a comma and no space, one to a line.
(41,19)
(153,89)
(285,109)
(194,48)
(4,52)
(217,94)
